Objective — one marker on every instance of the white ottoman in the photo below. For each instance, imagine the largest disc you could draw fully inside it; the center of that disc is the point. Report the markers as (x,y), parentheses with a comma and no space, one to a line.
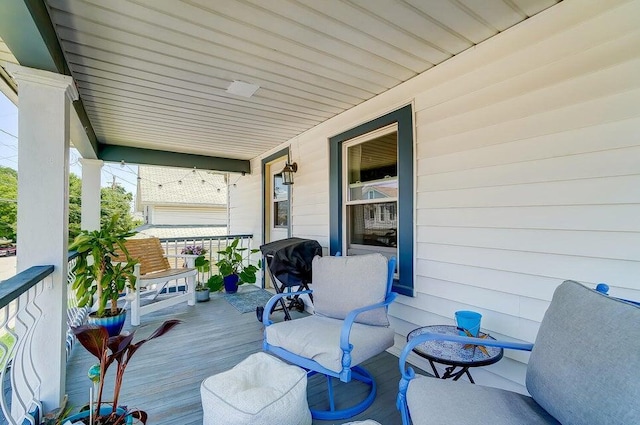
(259,390)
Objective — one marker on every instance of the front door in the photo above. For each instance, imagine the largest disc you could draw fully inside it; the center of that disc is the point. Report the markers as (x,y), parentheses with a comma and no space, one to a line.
(277,208)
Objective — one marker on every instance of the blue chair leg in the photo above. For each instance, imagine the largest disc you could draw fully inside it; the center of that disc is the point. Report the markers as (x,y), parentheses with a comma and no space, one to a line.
(358,374)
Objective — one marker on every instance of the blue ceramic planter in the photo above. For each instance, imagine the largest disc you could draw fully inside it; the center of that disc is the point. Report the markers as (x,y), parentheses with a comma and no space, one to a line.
(231,283)
(113,324)
(104,410)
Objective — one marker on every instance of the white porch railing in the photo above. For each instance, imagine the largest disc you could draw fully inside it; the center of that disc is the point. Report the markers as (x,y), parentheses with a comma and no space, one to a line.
(213,244)
(20,312)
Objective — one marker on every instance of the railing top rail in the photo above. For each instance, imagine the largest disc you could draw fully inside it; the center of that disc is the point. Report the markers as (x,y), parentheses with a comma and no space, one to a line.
(15,286)
(71,255)
(190,238)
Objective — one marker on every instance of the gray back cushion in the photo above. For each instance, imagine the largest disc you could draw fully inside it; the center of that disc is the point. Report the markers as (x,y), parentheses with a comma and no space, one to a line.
(342,284)
(585,365)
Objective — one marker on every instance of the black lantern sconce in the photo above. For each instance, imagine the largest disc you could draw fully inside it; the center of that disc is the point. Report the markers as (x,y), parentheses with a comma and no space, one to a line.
(288,171)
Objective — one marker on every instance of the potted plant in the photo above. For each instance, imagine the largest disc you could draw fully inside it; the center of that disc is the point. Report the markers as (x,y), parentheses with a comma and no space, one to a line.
(232,270)
(118,349)
(106,277)
(203,265)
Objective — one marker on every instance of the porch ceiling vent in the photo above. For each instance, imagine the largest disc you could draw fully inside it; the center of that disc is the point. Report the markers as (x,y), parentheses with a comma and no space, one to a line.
(243,89)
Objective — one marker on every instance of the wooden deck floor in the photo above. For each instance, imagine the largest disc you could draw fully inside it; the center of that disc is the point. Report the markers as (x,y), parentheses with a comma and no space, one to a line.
(164,376)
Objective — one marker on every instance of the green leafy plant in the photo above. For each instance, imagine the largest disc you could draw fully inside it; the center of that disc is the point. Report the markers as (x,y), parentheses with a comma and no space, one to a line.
(117,349)
(203,266)
(232,261)
(108,274)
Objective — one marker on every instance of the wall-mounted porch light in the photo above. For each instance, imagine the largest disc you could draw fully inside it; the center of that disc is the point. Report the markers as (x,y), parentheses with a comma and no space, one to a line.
(287,172)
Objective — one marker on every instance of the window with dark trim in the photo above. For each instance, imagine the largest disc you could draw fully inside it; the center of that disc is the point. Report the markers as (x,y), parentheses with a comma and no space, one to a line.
(401,209)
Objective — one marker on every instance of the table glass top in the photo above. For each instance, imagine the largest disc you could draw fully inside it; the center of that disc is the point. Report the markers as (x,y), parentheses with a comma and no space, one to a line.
(452,352)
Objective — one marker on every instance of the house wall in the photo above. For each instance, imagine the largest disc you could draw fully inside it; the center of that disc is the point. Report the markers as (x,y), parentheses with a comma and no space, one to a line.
(187,215)
(527,165)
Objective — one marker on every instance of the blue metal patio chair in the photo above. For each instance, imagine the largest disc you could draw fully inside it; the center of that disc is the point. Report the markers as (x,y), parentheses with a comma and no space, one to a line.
(583,370)
(349,325)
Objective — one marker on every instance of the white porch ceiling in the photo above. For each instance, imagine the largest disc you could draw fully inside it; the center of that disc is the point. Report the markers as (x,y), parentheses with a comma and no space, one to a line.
(154,73)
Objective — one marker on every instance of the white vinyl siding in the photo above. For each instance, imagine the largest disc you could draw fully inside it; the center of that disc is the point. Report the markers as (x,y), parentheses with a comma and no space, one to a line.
(527,173)
(191,216)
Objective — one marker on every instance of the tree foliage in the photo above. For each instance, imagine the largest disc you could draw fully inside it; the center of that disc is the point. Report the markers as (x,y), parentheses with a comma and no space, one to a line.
(115,200)
(8,202)
(75,205)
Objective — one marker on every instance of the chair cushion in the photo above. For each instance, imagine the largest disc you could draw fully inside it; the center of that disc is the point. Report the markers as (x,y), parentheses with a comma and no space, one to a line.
(584,366)
(435,401)
(342,284)
(318,338)
(259,390)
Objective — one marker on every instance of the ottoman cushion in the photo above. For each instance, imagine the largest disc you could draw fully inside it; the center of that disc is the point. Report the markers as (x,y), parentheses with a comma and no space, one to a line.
(259,390)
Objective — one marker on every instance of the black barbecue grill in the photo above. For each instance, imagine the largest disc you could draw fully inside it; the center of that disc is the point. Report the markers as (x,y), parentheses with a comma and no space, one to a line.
(289,264)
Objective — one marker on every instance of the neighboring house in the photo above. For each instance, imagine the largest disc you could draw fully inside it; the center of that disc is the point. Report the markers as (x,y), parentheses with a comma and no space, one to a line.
(178,202)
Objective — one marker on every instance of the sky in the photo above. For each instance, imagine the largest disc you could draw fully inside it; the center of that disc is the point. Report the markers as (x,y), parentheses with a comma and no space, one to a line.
(124,174)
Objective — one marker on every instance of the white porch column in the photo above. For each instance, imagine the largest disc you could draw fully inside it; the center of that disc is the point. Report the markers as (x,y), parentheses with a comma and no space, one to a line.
(91,170)
(43,213)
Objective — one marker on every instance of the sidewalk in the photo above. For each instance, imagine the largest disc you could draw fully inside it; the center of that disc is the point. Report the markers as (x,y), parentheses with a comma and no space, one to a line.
(7,267)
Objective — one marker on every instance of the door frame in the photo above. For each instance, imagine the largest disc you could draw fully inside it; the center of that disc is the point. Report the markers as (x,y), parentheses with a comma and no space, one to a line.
(284,153)
(265,161)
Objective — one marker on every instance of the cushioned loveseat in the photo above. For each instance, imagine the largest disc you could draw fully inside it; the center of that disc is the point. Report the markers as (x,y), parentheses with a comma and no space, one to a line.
(584,369)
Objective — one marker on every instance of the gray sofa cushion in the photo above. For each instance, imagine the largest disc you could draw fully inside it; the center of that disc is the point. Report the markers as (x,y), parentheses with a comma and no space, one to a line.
(435,401)
(342,284)
(318,338)
(584,367)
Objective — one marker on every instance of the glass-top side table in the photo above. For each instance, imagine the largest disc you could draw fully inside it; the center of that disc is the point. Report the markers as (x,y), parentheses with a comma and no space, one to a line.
(453,354)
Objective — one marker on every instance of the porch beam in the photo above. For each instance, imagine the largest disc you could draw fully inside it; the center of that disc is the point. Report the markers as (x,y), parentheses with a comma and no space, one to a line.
(26,28)
(113,153)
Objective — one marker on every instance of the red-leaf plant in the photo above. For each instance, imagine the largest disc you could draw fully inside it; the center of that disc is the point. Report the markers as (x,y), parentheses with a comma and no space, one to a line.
(119,349)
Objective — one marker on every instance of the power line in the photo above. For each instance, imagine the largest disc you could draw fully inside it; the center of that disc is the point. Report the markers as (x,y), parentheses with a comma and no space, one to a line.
(12,135)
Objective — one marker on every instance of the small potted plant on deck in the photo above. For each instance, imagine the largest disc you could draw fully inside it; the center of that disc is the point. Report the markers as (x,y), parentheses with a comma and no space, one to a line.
(232,270)
(108,350)
(106,276)
(203,265)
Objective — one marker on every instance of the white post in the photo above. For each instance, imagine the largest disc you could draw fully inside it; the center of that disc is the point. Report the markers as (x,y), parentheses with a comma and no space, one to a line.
(43,214)
(91,169)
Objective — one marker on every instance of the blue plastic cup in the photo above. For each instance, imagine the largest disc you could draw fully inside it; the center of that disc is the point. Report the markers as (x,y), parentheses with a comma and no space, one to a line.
(469,320)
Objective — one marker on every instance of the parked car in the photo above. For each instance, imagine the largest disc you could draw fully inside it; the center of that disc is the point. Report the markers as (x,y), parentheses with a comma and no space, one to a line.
(8,249)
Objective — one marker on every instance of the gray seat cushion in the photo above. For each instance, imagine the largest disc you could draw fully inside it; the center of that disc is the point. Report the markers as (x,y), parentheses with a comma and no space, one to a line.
(318,338)
(435,401)
(342,284)
(584,366)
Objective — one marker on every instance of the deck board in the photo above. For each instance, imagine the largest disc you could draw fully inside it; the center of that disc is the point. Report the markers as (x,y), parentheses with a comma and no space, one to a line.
(164,376)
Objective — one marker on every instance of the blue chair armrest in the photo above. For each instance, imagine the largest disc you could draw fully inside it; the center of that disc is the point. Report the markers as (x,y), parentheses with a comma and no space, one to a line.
(273,300)
(345,331)
(351,317)
(408,373)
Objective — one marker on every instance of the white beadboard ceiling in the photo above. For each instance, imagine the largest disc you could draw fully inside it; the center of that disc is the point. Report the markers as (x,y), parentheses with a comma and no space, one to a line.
(154,73)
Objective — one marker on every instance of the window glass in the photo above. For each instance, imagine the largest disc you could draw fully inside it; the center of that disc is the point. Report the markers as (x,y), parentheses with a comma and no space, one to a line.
(280,202)
(373,168)
(281,216)
(372,180)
